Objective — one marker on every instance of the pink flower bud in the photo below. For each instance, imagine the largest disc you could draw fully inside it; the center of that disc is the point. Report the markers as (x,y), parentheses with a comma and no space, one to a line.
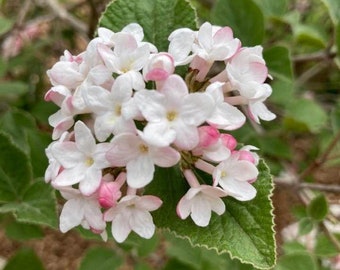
(246,155)
(228,141)
(108,194)
(208,136)
(159,68)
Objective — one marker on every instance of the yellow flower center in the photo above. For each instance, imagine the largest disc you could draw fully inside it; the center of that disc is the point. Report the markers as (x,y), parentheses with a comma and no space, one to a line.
(89,161)
(171,116)
(143,148)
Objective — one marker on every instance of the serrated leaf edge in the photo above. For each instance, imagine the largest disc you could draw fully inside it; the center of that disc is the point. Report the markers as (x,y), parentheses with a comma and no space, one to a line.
(271,192)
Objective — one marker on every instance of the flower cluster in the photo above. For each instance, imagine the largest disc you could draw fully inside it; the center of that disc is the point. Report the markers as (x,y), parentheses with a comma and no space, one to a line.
(137,114)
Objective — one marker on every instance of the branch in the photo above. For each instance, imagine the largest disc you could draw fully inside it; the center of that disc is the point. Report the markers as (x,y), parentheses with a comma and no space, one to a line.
(322,159)
(63,14)
(317,56)
(303,185)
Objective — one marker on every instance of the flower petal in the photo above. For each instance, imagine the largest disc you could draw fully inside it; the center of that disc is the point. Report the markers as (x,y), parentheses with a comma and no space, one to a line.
(71,215)
(140,171)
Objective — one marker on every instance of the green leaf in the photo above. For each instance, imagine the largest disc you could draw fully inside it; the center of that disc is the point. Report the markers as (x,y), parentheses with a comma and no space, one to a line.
(272,8)
(24,259)
(245,230)
(307,112)
(243,16)
(296,261)
(15,123)
(317,209)
(335,117)
(10,91)
(15,170)
(306,225)
(337,40)
(38,141)
(5,25)
(23,232)
(38,206)
(279,63)
(275,146)
(324,247)
(199,257)
(100,258)
(310,35)
(293,247)
(141,246)
(157,17)
(333,7)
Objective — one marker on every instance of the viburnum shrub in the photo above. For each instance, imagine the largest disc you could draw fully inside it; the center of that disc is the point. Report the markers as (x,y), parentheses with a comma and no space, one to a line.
(128,110)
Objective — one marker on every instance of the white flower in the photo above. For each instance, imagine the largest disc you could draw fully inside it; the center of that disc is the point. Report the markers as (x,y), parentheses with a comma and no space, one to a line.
(139,157)
(108,107)
(224,115)
(82,160)
(199,201)
(132,214)
(80,210)
(173,114)
(233,175)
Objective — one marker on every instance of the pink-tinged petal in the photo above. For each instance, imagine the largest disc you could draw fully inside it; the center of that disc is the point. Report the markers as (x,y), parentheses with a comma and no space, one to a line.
(67,154)
(84,139)
(140,171)
(181,41)
(259,72)
(259,110)
(124,43)
(135,30)
(186,136)
(98,99)
(223,35)
(65,73)
(99,75)
(91,182)
(174,88)
(213,192)
(157,74)
(165,157)
(196,108)
(99,156)
(94,216)
(159,134)
(124,147)
(69,177)
(57,94)
(121,89)
(151,104)
(104,125)
(205,36)
(105,34)
(227,117)
(183,208)
(243,170)
(110,60)
(216,153)
(141,57)
(141,222)
(71,215)
(242,191)
(135,78)
(121,227)
(215,90)
(217,205)
(201,211)
(149,203)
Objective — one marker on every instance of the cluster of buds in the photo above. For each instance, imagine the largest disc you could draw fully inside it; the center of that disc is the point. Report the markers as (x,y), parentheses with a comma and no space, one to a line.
(137,114)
